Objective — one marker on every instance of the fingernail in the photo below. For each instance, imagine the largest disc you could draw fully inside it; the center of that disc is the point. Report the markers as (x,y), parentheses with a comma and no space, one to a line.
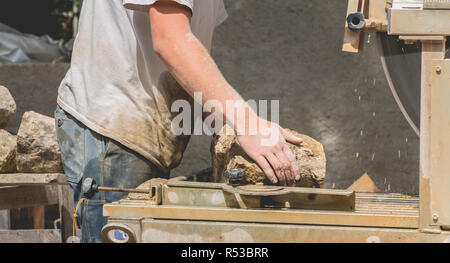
(297,178)
(274,181)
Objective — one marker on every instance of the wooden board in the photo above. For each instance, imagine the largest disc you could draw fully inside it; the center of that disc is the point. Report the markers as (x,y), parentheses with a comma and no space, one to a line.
(440,143)
(419,22)
(28,196)
(66,210)
(31,179)
(30,236)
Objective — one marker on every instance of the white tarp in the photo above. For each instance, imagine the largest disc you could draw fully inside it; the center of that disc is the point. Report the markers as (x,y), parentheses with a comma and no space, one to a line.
(18,47)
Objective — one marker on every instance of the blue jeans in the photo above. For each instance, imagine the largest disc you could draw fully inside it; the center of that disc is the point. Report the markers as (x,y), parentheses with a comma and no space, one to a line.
(89,154)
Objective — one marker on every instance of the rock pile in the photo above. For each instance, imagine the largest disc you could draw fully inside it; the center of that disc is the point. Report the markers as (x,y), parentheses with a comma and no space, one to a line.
(35,148)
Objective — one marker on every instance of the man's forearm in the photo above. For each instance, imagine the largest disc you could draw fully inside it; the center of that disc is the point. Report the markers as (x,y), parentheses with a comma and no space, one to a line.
(193,67)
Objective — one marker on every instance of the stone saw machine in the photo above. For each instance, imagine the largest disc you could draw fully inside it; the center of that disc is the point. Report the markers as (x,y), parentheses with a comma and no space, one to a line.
(411,38)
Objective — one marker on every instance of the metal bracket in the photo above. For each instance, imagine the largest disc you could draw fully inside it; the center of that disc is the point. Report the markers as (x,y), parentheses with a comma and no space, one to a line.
(363,15)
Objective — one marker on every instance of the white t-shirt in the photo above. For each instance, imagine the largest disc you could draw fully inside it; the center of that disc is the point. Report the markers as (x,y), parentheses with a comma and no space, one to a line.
(119,87)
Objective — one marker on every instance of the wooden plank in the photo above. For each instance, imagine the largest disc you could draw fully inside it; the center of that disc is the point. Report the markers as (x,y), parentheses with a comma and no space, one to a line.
(32,179)
(440,142)
(30,236)
(419,22)
(27,196)
(66,209)
(431,50)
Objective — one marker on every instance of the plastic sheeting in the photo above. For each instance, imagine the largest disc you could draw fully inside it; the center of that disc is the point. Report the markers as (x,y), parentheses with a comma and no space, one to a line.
(18,47)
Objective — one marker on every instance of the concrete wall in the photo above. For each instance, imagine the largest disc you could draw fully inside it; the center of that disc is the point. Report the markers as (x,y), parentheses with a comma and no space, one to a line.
(289,51)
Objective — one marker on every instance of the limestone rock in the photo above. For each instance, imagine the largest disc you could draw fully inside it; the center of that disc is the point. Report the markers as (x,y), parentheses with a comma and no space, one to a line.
(7,107)
(228,154)
(37,146)
(8,147)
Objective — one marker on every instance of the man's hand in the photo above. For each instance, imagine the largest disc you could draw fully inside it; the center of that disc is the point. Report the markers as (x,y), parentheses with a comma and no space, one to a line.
(270,150)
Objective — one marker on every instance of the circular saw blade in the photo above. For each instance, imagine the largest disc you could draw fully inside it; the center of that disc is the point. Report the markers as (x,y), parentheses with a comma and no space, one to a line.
(402,67)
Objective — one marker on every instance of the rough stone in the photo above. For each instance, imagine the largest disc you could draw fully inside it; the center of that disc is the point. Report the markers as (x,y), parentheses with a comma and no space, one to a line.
(228,154)
(37,146)
(8,148)
(7,107)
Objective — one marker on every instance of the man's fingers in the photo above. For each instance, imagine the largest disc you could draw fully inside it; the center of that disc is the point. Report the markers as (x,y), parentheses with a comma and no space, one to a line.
(290,137)
(293,160)
(267,169)
(286,166)
(277,166)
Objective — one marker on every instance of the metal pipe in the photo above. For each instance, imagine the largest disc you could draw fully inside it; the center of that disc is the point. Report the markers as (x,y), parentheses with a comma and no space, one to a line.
(123,190)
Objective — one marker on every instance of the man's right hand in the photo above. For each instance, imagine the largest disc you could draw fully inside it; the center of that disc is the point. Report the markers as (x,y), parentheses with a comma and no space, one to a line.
(268,147)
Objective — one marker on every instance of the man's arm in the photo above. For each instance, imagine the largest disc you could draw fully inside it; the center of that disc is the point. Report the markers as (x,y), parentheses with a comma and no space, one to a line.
(193,67)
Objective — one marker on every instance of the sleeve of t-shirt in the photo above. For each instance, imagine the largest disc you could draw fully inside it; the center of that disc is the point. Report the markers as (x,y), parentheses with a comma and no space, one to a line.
(144,5)
(222,14)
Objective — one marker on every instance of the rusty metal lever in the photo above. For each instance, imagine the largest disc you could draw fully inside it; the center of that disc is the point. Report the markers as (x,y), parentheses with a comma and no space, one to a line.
(90,187)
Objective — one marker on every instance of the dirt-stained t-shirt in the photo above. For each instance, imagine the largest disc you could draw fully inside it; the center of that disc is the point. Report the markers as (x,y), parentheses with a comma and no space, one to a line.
(119,87)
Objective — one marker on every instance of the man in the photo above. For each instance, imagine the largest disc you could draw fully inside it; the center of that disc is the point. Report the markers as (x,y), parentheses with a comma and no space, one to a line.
(132,59)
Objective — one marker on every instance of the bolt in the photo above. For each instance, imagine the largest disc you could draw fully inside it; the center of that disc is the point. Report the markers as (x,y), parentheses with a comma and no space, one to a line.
(435,218)
(438,69)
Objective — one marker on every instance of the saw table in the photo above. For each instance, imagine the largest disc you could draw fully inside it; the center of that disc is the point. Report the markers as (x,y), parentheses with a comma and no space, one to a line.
(181,211)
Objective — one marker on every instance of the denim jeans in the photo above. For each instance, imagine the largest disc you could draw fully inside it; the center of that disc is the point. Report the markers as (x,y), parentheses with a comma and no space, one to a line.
(89,154)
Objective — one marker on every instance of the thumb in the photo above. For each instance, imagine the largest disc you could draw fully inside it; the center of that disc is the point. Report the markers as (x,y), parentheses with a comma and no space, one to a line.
(291,137)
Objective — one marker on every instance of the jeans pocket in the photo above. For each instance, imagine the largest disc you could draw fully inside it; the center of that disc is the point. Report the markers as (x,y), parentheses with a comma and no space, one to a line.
(70,137)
